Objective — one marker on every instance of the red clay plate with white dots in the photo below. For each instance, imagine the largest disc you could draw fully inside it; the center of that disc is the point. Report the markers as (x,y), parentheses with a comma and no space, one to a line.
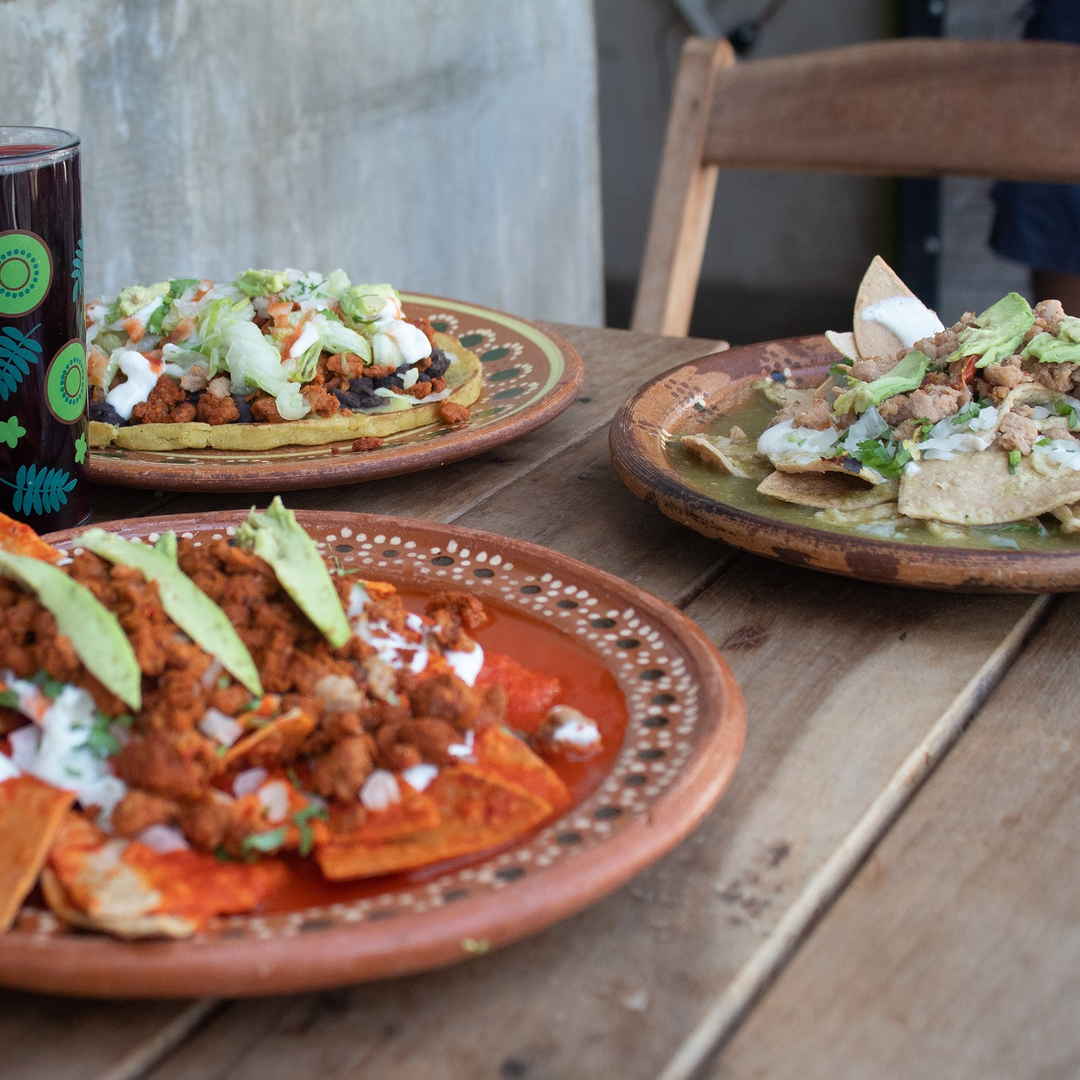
(684,733)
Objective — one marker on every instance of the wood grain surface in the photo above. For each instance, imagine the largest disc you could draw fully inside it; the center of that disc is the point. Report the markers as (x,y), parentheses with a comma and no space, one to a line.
(854,692)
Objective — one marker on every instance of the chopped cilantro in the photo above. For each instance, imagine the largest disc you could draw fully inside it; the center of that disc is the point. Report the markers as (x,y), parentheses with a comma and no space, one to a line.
(302,819)
(222,855)
(1044,442)
(264,842)
(253,705)
(9,699)
(886,458)
(101,740)
(1014,460)
(840,369)
(224,682)
(967,414)
(1063,408)
(50,687)
(178,286)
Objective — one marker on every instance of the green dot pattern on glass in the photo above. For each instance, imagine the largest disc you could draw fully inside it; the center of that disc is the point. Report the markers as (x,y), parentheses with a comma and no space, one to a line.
(65,383)
(25,272)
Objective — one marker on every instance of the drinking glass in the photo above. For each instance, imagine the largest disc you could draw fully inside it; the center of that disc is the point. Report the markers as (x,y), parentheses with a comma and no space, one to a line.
(43,427)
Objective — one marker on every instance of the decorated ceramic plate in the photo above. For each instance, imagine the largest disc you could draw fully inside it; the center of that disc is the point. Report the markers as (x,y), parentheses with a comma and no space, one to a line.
(711,394)
(673,722)
(530,376)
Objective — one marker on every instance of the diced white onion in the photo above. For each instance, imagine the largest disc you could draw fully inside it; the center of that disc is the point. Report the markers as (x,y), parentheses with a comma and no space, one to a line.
(380,790)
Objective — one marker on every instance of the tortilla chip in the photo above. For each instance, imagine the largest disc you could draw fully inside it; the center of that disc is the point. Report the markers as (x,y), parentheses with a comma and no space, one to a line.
(797,461)
(843,343)
(276,740)
(884,514)
(501,754)
(20,539)
(464,377)
(477,812)
(782,392)
(529,694)
(737,457)
(414,813)
(979,489)
(129,889)
(31,812)
(880,282)
(129,927)
(1069,516)
(828,490)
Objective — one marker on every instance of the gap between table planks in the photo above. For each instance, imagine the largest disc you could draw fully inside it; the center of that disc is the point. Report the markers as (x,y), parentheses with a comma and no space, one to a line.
(956,950)
(619,989)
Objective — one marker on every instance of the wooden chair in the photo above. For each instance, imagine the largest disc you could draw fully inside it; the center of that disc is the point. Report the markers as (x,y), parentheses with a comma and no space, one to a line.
(912,107)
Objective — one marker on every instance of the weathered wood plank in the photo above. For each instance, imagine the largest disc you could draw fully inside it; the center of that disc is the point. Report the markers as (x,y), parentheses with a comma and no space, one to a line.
(835,709)
(45,1038)
(616,362)
(956,950)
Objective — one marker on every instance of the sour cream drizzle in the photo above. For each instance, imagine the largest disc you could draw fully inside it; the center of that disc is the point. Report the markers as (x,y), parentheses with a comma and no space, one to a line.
(905,316)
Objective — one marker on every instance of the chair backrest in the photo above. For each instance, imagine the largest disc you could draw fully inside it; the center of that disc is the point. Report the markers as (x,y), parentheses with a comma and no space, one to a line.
(912,107)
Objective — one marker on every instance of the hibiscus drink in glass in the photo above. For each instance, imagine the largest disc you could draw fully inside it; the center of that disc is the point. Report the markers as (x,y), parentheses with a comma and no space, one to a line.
(43,427)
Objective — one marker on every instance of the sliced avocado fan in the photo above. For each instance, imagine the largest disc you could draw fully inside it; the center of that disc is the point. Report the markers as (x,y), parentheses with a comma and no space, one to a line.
(94,631)
(277,537)
(184,602)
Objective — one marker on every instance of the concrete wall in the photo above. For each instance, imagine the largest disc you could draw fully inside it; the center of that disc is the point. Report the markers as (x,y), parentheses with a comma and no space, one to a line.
(446,146)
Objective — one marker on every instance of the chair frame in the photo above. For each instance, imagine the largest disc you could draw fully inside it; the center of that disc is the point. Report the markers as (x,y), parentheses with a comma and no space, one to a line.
(1008,110)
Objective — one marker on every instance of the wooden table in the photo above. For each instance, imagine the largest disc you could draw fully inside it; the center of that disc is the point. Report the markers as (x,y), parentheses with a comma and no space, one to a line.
(889,888)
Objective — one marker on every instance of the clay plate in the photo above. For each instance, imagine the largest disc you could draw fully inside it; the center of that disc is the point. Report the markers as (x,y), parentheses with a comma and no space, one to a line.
(530,376)
(684,737)
(697,396)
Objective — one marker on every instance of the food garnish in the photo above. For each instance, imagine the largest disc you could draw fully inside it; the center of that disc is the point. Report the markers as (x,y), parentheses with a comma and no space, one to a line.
(184,602)
(272,358)
(276,537)
(385,748)
(967,426)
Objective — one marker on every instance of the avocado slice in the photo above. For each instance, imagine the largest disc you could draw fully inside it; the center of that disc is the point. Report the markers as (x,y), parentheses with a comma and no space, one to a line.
(134,298)
(94,631)
(998,332)
(261,282)
(184,602)
(277,537)
(907,375)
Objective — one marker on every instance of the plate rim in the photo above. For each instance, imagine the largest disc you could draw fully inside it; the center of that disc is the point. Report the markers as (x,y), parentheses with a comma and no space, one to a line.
(636,447)
(333,470)
(100,967)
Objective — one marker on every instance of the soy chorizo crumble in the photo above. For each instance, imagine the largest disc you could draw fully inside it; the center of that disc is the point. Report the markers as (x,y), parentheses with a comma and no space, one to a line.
(362,714)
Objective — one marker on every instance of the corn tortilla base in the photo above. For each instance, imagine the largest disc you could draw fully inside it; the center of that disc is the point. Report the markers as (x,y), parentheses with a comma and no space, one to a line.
(464,377)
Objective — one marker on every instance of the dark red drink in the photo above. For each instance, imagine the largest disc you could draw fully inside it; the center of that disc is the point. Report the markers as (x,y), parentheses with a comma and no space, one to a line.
(43,431)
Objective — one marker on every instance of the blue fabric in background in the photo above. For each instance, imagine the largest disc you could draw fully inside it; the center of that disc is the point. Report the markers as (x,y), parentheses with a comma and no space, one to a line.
(1039,224)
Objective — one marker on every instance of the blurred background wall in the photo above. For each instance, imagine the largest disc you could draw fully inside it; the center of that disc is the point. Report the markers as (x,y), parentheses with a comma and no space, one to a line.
(785,251)
(455,147)
(445,146)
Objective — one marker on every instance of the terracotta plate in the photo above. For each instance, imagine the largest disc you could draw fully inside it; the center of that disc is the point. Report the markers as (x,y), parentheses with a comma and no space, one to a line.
(530,376)
(702,395)
(683,737)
